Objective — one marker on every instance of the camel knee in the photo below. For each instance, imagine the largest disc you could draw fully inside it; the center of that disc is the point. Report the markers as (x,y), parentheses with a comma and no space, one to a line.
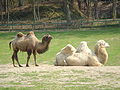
(29,54)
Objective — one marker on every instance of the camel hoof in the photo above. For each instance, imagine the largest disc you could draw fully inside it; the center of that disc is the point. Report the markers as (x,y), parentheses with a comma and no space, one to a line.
(20,66)
(36,65)
(27,65)
(14,66)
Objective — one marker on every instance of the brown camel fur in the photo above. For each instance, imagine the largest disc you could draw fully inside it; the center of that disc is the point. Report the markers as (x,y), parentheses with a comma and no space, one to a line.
(30,44)
(100,51)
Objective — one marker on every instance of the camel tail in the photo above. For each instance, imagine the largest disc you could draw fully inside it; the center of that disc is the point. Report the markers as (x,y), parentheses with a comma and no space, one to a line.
(10,44)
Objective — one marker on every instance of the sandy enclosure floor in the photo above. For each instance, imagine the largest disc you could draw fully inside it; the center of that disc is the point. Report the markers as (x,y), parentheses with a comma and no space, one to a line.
(67,76)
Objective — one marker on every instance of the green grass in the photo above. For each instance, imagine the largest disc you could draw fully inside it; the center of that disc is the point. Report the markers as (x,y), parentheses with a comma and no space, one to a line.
(111,35)
(50,80)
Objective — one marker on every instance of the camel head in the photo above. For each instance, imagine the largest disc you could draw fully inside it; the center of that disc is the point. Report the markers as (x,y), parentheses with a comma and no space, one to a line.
(68,49)
(102,44)
(46,38)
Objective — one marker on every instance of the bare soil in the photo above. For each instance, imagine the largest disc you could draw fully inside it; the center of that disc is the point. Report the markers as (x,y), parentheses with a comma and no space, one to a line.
(69,76)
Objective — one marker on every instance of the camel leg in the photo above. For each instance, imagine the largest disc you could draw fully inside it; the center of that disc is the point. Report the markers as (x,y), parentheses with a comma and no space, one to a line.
(29,54)
(13,57)
(93,61)
(97,64)
(16,57)
(34,54)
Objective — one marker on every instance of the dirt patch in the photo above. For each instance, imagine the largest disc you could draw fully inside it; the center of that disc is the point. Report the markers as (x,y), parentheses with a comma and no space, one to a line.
(67,76)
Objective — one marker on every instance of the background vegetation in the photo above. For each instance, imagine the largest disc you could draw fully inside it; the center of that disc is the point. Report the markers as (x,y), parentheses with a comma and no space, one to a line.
(58,9)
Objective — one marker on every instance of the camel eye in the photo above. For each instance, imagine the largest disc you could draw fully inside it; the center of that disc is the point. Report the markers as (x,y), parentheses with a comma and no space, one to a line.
(47,37)
(103,44)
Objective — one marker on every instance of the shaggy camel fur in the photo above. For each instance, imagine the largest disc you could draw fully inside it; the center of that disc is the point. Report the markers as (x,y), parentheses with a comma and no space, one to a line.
(82,59)
(63,54)
(30,44)
(100,51)
(83,47)
(71,58)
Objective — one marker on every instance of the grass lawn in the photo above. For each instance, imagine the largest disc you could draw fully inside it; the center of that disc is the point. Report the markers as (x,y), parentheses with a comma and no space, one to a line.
(110,35)
(47,77)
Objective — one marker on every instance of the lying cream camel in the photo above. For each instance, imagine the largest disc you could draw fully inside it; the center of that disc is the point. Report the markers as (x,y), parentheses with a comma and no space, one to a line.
(70,58)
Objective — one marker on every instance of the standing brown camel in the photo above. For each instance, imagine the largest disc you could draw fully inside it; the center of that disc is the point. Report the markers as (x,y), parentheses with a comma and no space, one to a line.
(30,44)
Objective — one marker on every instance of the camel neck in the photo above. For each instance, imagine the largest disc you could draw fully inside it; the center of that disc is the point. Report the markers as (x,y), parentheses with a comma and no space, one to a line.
(102,55)
(42,47)
(46,44)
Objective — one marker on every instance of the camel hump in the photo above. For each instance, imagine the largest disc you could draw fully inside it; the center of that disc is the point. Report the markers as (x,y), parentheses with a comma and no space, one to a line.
(20,34)
(30,33)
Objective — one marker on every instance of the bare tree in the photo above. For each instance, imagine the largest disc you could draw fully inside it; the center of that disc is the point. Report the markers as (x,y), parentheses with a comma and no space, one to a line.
(3,5)
(79,4)
(20,2)
(67,11)
(96,11)
(89,8)
(114,9)
(2,8)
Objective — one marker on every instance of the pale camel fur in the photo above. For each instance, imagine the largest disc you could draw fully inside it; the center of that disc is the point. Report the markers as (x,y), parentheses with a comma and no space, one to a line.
(82,58)
(63,54)
(68,57)
(83,47)
(100,51)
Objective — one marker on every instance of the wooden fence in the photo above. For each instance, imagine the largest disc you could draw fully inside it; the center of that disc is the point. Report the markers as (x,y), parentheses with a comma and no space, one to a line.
(57,25)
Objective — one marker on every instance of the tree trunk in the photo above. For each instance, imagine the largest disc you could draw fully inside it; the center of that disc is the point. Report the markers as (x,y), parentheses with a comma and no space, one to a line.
(8,17)
(77,8)
(79,4)
(67,11)
(20,3)
(1,10)
(114,9)
(96,11)
(89,9)
(3,3)
(38,12)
